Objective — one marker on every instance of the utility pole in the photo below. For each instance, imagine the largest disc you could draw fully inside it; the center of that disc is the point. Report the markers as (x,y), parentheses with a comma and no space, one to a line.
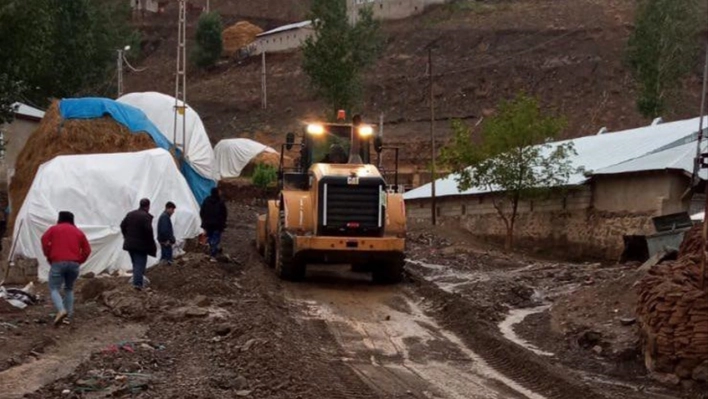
(119,70)
(207,6)
(181,80)
(432,136)
(264,95)
(704,251)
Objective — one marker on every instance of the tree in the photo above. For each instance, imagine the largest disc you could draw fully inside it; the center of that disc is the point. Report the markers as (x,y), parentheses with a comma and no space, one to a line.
(661,51)
(209,42)
(59,48)
(338,52)
(513,159)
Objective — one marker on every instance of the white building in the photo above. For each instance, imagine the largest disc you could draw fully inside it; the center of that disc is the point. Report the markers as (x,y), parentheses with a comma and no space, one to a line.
(390,9)
(284,38)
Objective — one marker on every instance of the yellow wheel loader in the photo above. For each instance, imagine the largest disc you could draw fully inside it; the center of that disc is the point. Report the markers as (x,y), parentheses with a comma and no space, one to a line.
(334,206)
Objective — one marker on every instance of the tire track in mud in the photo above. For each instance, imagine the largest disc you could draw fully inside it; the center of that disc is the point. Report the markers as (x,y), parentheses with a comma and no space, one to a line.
(524,367)
(393,346)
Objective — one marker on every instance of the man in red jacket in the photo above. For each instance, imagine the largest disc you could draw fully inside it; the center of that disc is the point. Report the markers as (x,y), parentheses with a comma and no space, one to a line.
(65,247)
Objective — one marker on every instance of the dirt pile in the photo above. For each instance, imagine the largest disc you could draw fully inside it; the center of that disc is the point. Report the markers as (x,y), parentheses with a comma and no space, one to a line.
(238,36)
(673,316)
(55,137)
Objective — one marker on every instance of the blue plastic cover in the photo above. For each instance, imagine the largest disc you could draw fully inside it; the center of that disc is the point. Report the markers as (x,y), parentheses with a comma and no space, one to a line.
(135,120)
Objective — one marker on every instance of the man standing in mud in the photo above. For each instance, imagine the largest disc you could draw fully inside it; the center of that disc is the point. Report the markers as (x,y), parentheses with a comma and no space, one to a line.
(139,240)
(213,214)
(66,248)
(166,234)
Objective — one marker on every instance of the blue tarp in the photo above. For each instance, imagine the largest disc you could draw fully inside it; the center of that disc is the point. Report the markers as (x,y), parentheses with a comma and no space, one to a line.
(135,120)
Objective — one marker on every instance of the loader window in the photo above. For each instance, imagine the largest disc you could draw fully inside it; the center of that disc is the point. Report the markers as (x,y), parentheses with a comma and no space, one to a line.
(321,147)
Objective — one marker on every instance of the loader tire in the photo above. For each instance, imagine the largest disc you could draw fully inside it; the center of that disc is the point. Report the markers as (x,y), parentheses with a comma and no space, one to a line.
(361,267)
(269,252)
(390,272)
(287,267)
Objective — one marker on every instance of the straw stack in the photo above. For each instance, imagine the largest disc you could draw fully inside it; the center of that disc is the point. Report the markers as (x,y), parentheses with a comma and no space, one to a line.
(55,137)
(239,36)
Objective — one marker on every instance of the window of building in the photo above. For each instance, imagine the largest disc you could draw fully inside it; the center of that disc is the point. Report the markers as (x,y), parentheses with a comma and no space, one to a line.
(464,209)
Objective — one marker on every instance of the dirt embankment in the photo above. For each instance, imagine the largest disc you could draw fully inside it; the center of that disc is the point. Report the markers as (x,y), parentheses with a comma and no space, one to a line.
(569,54)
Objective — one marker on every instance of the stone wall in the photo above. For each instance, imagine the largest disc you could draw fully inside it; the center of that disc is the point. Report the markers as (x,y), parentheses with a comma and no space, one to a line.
(565,224)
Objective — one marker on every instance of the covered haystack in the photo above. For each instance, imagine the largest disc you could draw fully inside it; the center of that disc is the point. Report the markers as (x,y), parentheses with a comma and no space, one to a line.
(56,136)
(673,315)
(238,36)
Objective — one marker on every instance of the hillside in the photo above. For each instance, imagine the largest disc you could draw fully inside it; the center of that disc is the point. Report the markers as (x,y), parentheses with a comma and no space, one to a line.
(568,53)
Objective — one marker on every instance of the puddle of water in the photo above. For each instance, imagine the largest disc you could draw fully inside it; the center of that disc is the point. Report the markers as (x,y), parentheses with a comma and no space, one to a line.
(515,317)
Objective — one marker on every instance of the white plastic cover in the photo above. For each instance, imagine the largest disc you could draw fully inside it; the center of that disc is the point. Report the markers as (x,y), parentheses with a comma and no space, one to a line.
(160,109)
(232,155)
(100,189)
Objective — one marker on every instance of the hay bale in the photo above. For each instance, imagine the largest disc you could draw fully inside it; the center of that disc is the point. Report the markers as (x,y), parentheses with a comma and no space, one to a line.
(55,137)
(238,36)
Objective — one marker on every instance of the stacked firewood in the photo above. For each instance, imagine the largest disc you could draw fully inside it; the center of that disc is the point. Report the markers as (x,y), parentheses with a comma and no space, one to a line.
(673,314)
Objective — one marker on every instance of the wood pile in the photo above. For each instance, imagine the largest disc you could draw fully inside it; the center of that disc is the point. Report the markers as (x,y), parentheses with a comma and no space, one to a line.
(673,315)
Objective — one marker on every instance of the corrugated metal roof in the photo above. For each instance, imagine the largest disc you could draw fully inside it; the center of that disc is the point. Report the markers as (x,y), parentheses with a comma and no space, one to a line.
(595,153)
(284,28)
(677,158)
(26,110)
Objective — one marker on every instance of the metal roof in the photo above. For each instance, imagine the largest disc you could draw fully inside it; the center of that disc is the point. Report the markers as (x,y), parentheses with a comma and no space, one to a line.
(284,28)
(26,110)
(597,153)
(680,158)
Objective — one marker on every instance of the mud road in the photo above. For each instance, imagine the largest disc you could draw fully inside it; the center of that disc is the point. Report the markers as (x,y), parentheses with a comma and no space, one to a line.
(392,345)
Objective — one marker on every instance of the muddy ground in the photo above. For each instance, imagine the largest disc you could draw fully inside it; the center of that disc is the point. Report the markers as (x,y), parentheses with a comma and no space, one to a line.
(467,323)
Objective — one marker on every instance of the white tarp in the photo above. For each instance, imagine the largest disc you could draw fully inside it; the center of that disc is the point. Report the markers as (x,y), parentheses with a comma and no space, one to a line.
(100,189)
(160,109)
(232,155)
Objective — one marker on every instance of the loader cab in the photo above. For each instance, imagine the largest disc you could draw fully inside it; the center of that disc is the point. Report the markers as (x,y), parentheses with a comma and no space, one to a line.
(329,143)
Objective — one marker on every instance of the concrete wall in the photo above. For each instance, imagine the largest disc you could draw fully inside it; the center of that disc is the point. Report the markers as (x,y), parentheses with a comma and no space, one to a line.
(281,41)
(15,135)
(144,5)
(390,9)
(585,222)
(654,192)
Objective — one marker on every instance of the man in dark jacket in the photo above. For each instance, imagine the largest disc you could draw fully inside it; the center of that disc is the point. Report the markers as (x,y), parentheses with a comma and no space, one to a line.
(213,214)
(166,234)
(139,240)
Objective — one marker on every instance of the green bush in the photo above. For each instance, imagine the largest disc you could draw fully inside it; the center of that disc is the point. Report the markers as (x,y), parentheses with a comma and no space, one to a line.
(209,43)
(264,175)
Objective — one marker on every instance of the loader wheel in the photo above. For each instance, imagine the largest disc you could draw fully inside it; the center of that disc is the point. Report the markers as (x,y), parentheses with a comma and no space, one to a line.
(287,267)
(361,267)
(390,272)
(269,250)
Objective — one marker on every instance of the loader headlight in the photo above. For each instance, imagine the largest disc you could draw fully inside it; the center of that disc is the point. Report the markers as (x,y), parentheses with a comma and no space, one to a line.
(315,129)
(366,131)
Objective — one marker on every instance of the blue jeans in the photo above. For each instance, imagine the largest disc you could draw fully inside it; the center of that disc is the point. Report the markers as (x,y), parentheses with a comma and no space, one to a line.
(166,253)
(139,260)
(63,273)
(214,238)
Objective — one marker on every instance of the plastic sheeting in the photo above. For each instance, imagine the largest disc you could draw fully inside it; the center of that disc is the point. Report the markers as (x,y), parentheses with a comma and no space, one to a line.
(160,110)
(232,155)
(100,190)
(136,121)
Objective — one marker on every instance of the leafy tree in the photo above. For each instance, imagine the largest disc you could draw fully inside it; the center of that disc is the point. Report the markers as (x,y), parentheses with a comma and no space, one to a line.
(59,48)
(338,52)
(662,49)
(209,42)
(514,158)
(264,175)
